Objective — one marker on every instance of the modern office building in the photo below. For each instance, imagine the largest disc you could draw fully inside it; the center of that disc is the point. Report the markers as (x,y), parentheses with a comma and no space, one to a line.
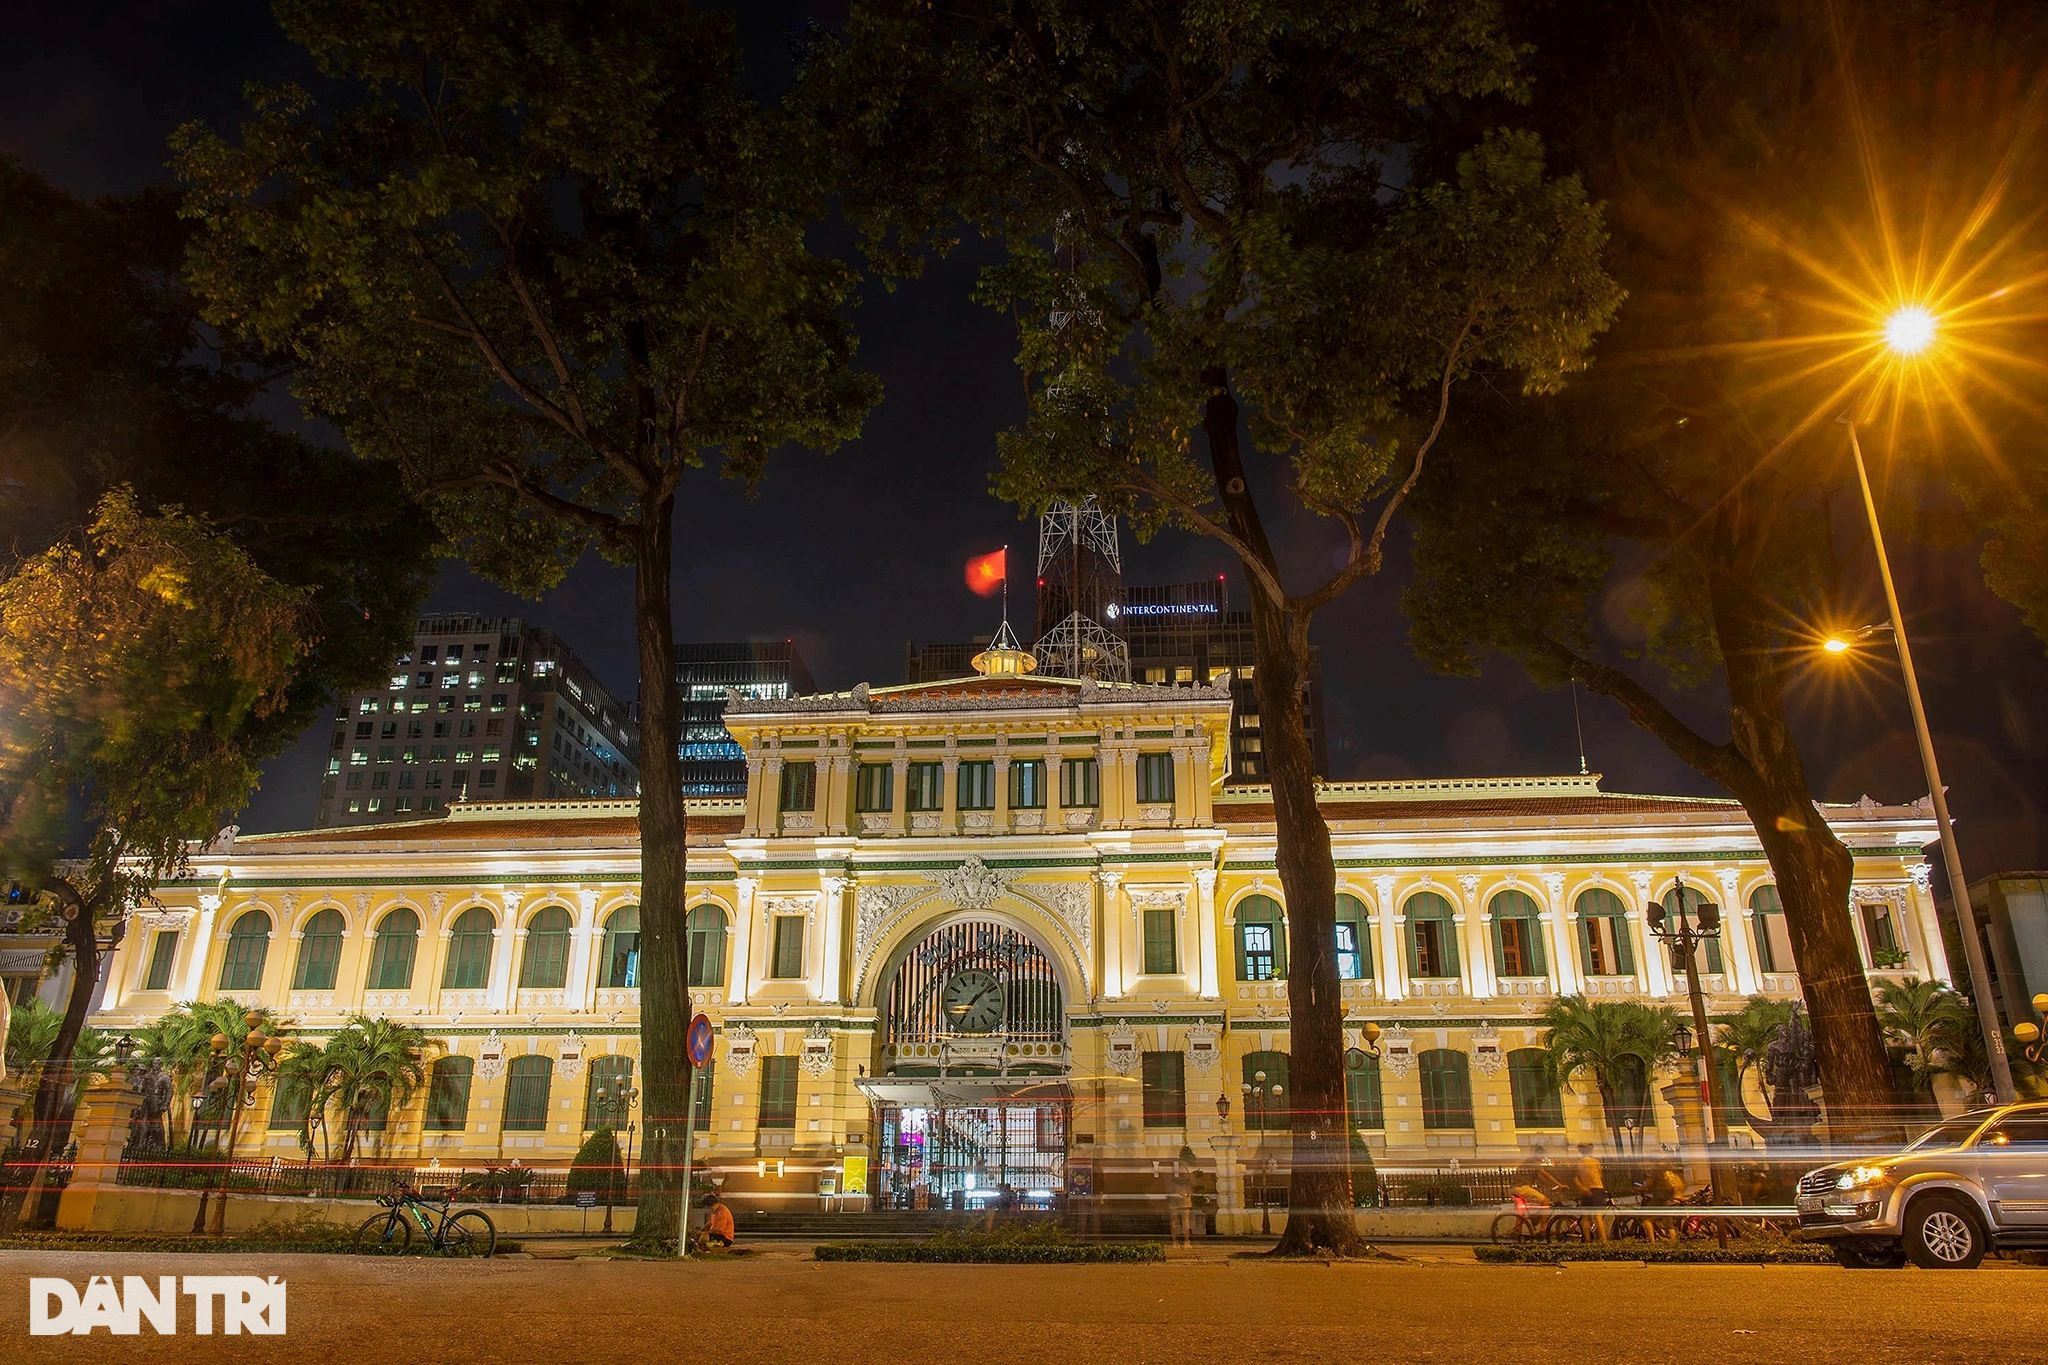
(481,707)
(1001,931)
(2011,912)
(713,763)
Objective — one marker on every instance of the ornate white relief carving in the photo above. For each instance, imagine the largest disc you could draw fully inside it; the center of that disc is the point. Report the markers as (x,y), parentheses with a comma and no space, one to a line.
(569,1064)
(1205,881)
(1069,901)
(1641,882)
(491,1063)
(924,820)
(1487,1057)
(1205,1050)
(1123,1049)
(874,908)
(1027,819)
(1155,815)
(362,900)
(436,899)
(874,822)
(1079,819)
(1469,883)
(816,1057)
(1553,882)
(973,885)
(1159,898)
(976,821)
(799,822)
(1922,875)
(803,903)
(1397,1052)
(740,1050)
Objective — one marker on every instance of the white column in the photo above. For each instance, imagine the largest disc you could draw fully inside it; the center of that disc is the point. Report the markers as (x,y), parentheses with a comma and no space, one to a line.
(839,795)
(1183,785)
(1476,945)
(1109,932)
(1737,953)
(504,944)
(1209,972)
(198,951)
(1653,959)
(830,982)
(1392,960)
(1928,944)
(581,976)
(740,979)
(1000,824)
(949,797)
(750,822)
(770,817)
(1055,821)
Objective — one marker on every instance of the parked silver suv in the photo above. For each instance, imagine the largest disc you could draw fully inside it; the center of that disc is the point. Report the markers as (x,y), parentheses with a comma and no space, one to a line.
(1969,1184)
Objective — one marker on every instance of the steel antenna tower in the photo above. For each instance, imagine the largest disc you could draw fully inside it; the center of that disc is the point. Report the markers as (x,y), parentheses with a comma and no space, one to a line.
(1080,589)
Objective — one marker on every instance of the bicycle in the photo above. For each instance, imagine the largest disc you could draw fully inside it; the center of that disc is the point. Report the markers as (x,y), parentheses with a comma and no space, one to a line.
(469,1233)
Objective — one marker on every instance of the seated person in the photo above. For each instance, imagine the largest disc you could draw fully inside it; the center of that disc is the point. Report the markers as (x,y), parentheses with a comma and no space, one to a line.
(718,1229)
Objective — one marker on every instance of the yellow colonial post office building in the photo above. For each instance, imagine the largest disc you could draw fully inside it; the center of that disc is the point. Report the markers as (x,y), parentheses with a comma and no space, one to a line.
(1001,934)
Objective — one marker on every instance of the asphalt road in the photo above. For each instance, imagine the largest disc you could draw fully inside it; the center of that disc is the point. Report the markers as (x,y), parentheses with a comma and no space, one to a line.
(781,1308)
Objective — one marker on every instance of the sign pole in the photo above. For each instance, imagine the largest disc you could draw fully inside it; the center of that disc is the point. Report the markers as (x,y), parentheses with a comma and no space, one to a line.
(697,1046)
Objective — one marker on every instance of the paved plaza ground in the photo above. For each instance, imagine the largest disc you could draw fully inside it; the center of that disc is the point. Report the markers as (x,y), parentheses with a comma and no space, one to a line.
(780,1306)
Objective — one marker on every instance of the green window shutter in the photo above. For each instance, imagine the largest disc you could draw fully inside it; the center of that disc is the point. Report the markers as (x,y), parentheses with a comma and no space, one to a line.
(526,1094)
(1159,945)
(620,964)
(1165,1086)
(613,1075)
(291,1102)
(789,946)
(1363,1099)
(778,1092)
(703,1086)
(1624,951)
(448,1095)
(391,961)
(1500,946)
(469,951)
(707,946)
(163,951)
(241,969)
(799,786)
(544,966)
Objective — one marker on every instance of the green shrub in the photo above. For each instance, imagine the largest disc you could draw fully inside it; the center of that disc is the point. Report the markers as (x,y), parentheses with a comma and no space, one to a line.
(1020,1246)
(597,1167)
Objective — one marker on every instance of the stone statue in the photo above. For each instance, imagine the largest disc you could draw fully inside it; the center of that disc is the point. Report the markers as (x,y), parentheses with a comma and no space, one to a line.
(1791,1070)
(146,1129)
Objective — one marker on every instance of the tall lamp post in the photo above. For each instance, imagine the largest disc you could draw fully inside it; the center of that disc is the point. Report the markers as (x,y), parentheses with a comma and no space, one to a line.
(1698,921)
(1907,333)
(1260,1097)
(240,1064)
(617,1105)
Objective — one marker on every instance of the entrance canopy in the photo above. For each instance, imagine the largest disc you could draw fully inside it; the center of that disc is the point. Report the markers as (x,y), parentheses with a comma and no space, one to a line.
(963,1092)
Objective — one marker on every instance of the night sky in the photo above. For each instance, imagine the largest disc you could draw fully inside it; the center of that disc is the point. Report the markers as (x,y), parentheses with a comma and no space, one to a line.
(853,553)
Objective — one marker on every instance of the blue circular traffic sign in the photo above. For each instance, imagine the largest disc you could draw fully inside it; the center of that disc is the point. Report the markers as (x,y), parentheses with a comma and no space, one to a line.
(698,1044)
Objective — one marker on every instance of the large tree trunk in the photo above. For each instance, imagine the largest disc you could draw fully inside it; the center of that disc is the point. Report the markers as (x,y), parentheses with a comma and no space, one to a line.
(50,1124)
(664,982)
(1319,1205)
(1813,870)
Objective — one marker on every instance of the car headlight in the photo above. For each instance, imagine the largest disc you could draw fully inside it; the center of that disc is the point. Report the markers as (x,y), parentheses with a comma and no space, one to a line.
(1860,1177)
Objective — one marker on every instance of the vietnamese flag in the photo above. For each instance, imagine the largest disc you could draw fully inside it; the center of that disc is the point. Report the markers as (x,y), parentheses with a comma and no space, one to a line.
(985,573)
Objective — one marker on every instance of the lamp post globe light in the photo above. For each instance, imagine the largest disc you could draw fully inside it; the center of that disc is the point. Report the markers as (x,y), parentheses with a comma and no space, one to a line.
(239,1065)
(1259,1098)
(1910,331)
(616,1104)
(1696,921)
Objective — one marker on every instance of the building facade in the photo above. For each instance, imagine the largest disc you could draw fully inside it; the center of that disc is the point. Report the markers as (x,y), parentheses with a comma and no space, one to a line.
(714,765)
(996,931)
(481,708)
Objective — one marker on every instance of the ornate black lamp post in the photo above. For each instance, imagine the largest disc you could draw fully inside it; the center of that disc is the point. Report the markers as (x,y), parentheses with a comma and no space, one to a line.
(1698,920)
(617,1106)
(1260,1098)
(240,1065)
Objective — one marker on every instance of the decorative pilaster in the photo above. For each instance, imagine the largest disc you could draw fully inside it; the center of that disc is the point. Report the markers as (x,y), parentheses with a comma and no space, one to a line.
(1110,934)
(839,795)
(949,797)
(1737,956)
(502,945)
(1478,943)
(750,825)
(1002,811)
(830,982)
(1206,983)
(199,953)
(899,792)
(1055,818)
(581,938)
(1393,959)
(740,984)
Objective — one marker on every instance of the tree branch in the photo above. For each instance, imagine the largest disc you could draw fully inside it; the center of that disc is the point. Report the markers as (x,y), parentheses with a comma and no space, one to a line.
(1141,482)
(1721,762)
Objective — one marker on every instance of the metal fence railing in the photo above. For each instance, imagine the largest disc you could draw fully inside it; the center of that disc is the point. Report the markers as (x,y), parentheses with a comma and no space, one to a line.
(470,1185)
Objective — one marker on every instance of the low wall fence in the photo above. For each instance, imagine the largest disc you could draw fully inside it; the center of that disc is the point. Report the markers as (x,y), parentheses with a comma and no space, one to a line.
(324,1180)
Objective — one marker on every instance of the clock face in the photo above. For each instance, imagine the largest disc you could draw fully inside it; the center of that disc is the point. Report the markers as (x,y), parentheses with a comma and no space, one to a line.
(974,1001)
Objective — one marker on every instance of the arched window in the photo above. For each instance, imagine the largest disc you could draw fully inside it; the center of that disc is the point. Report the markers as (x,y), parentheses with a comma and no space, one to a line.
(707,946)
(1446,1088)
(1538,1101)
(1604,948)
(526,1094)
(1354,946)
(612,1076)
(622,948)
(398,941)
(545,965)
(1690,899)
(1263,1110)
(1261,940)
(241,967)
(448,1095)
(1432,936)
(469,951)
(1773,941)
(319,952)
(1362,1101)
(1518,935)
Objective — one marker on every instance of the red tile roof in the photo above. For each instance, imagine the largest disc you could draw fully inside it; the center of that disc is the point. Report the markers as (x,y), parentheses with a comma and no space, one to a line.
(1262,812)
(607,828)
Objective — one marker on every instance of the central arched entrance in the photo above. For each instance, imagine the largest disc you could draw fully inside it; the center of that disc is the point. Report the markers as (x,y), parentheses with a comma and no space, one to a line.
(970,1075)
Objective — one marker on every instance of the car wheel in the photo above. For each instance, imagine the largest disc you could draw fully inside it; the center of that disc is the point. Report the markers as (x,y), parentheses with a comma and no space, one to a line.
(1943,1233)
(1869,1257)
